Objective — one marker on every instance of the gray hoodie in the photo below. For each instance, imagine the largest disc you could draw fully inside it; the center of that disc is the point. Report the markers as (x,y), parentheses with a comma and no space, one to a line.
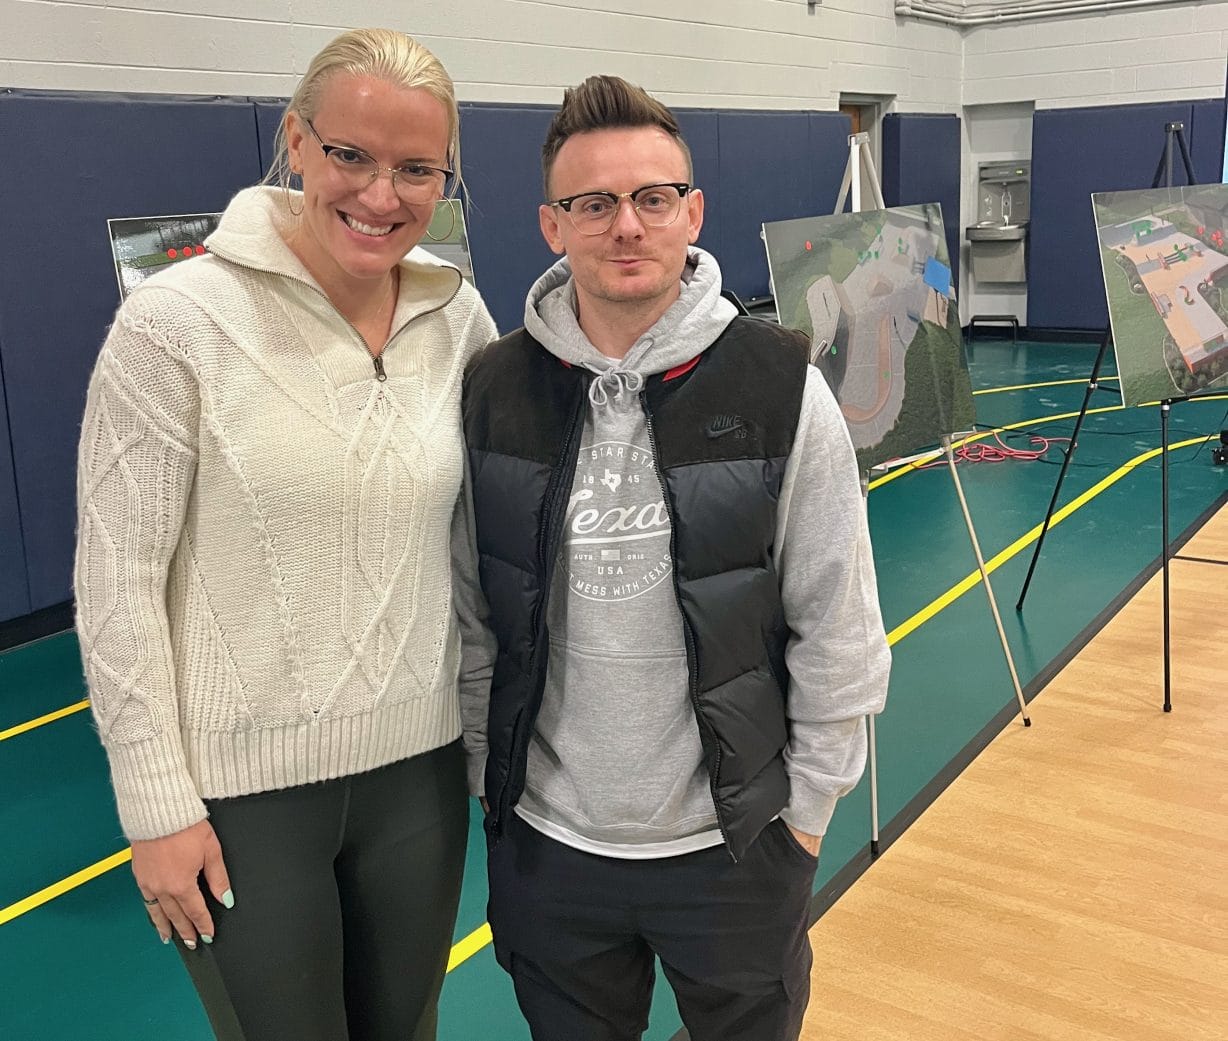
(615,764)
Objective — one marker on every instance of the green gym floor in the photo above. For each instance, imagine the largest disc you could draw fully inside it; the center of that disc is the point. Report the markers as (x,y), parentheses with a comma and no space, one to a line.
(78,959)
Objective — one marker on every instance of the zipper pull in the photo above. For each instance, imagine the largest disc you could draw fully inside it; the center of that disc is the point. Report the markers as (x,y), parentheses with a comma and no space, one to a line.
(380,374)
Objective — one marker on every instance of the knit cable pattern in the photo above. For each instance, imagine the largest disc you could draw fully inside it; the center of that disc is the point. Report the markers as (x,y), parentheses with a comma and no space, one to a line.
(263,577)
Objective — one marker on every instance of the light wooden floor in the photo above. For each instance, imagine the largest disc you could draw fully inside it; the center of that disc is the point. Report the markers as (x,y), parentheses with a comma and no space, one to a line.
(1072,884)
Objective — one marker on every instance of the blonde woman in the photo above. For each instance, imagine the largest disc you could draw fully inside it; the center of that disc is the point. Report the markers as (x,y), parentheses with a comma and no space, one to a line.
(270,467)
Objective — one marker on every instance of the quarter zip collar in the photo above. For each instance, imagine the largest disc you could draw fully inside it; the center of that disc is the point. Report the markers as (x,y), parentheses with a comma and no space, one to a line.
(253,234)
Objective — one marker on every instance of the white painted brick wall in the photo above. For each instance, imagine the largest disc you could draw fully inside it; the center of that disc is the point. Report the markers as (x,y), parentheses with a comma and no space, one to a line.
(714,53)
(709,53)
(772,54)
(1170,53)
(706,53)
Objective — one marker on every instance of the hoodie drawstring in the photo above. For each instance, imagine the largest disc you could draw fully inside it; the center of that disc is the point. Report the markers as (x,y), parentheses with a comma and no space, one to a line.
(616,382)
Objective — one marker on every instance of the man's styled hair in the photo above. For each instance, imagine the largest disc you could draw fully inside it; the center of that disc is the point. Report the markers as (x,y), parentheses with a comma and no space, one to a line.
(601,103)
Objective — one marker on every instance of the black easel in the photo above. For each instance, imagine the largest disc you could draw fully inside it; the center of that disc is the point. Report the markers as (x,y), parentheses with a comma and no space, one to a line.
(734,299)
(1165,407)
(1093,385)
(1173,132)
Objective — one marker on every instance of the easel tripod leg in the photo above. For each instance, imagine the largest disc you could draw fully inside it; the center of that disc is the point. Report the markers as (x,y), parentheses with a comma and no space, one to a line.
(871,733)
(1165,407)
(1092,387)
(980,563)
(874,846)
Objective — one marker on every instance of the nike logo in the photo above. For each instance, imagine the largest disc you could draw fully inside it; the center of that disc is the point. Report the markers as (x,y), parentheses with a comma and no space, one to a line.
(722,425)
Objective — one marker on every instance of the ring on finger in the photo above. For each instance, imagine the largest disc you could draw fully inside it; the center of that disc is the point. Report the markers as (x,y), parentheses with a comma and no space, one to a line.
(150,902)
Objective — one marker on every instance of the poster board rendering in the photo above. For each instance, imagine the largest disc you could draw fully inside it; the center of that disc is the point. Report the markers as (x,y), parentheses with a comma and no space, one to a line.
(1164,256)
(873,291)
(142,246)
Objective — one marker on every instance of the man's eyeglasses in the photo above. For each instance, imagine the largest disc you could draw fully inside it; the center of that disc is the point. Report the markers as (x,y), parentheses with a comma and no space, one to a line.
(415,183)
(593,213)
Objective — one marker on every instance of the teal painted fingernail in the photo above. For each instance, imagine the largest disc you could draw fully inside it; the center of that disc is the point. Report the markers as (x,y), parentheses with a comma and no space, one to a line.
(228,899)
(190,944)
(165,940)
(206,938)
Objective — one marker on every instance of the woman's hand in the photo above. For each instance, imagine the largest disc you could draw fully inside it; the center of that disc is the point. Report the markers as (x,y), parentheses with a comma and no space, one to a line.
(167,872)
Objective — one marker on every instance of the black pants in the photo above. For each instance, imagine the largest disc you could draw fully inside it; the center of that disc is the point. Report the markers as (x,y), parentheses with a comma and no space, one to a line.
(577,933)
(345,901)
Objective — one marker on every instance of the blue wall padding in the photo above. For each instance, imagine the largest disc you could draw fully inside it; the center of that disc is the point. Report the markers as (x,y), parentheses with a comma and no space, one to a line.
(701,131)
(148,154)
(501,155)
(268,119)
(1076,152)
(1206,140)
(14,593)
(71,162)
(921,163)
(773,166)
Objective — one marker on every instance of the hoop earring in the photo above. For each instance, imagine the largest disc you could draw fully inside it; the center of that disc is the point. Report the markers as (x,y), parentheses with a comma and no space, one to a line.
(285,190)
(444,238)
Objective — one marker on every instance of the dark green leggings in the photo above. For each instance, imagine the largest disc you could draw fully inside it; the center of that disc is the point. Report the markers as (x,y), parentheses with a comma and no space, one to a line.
(345,901)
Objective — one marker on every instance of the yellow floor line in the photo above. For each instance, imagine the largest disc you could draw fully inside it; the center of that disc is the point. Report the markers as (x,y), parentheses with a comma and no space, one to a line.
(469,946)
(1037,386)
(462,951)
(51,717)
(481,937)
(958,590)
(65,885)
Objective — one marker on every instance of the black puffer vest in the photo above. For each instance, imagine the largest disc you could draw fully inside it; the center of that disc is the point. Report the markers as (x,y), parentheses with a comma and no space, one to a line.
(722,430)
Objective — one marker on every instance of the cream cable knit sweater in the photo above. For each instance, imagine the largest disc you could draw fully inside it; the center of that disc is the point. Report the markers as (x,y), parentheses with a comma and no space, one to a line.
(263,578)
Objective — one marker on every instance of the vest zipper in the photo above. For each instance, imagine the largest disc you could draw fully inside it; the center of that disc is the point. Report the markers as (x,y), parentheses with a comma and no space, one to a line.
(553,518)
(379,367)
(687,632)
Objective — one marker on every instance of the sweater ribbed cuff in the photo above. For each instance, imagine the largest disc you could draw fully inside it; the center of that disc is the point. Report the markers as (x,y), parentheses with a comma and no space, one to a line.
(153,790)
(809,810)
(475,764)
